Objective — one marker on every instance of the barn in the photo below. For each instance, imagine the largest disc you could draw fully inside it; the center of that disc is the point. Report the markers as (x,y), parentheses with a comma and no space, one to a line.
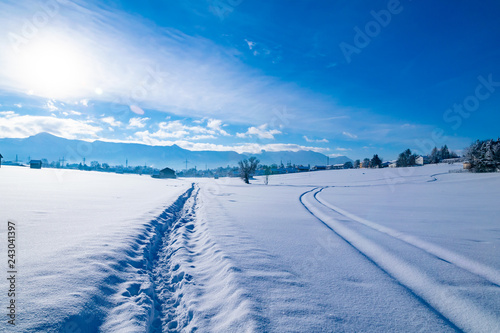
(35,164)
(165,173)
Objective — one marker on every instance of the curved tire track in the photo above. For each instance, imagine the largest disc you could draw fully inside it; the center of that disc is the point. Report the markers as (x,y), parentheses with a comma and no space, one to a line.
(459,311)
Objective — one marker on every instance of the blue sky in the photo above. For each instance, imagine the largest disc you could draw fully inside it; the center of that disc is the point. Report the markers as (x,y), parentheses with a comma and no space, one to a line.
(348,78)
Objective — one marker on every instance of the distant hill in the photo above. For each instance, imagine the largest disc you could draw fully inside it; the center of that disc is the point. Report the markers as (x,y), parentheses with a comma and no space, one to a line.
(53,148)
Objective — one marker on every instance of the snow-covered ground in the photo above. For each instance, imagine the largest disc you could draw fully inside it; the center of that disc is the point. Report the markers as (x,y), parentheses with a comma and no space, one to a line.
(410,249)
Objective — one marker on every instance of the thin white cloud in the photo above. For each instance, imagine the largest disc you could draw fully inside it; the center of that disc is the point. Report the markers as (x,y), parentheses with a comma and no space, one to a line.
(177,130)
(8,114)
(254,148)
(111,121)
(215,125)
(51,106)
(88,47)
(317,140)
(19,105)
(15,126)
(350,135)
(137,122)
(201,137)
(71,112)
(250,44)
(261,132)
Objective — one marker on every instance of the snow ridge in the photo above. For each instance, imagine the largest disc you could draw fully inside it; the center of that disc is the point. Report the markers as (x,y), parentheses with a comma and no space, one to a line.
(461,311)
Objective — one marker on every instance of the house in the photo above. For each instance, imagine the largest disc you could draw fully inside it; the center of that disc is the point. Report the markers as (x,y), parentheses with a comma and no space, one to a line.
(386,164)
(165,173)
(421,160)
(35,164)
(318,167)
(302,168)
(1,160)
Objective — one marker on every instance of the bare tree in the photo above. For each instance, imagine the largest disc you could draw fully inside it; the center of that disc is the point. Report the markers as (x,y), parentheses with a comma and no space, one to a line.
(247,168)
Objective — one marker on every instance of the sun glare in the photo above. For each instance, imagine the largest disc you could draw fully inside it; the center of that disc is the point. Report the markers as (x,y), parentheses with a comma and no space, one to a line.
(53,67)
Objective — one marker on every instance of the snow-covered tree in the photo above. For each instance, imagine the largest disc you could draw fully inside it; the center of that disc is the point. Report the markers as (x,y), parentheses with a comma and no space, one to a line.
(484,156)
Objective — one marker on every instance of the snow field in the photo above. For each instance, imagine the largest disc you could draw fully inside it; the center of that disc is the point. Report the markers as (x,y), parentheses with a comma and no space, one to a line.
(412,249)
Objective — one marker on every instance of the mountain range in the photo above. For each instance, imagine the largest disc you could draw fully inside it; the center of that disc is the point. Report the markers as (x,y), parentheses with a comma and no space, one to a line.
(53,148)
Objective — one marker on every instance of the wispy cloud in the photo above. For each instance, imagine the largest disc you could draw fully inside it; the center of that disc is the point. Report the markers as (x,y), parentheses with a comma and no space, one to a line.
(16,126)
(260,132)
(315,140)
(350,135)
(112,121)
(252,148)
(107,57)
(137,122)
(178,130)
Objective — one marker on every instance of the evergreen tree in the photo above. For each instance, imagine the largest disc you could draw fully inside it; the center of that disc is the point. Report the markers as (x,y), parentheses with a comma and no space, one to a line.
(445,152)
(348,165)
(376,162)
(356,164)
(434,157)
(484,156)
(406,159)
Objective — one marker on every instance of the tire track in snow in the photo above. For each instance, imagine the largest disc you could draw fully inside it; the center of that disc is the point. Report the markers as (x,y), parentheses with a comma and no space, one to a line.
(486,272)
(459,311)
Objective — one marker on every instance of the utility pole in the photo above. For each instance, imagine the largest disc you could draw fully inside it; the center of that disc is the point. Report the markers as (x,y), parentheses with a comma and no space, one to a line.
(126,163)
(186,164)
(328,160)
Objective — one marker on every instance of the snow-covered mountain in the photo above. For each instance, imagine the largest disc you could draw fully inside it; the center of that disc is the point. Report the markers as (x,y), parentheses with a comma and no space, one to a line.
(53,148)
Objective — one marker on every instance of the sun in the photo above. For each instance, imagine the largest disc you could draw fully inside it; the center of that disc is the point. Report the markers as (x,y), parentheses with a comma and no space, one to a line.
(54,67)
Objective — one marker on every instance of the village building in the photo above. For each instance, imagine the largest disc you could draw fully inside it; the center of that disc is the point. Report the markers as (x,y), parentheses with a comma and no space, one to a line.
(165,173)
(35,164)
